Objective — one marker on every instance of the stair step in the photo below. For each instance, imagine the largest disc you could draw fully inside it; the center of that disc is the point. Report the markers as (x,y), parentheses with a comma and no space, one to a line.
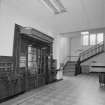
(69,73)
(71,63)
(65,70)
(69,66)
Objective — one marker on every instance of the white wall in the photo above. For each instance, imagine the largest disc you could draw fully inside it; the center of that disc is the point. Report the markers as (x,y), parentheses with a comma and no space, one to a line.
(64,48)
(99,59)
(61,49)
(76,45)
(70,46)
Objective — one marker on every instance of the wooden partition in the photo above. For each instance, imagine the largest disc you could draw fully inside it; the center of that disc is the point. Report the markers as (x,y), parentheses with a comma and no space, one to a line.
(33,56)
(31,65)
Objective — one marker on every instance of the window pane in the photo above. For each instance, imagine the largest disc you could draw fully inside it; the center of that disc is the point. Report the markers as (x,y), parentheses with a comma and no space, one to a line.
(85,33)
(85,40)
(92,39)
(100,38)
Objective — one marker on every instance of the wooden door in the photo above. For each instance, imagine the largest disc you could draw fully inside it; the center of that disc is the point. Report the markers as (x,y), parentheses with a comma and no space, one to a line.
(42,62)
(37,65)
(34,64)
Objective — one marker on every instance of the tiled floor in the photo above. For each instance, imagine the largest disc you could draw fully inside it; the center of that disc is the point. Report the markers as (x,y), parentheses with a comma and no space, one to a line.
(79,90)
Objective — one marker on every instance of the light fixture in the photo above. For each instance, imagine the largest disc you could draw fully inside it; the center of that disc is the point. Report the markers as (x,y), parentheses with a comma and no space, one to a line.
(54,5)
(59,5)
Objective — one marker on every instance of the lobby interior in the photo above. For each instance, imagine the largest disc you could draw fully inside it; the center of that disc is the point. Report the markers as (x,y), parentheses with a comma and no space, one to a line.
(52,52)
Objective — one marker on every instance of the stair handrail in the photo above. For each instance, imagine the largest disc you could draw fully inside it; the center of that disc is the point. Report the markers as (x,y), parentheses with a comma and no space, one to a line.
(78,67)
(69,58)
(95,47)
(66,60)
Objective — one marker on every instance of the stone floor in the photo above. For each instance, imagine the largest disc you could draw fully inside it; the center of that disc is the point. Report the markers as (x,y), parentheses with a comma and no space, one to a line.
(79,90)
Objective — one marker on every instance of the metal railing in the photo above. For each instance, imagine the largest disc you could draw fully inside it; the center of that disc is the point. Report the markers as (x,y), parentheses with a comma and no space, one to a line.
(94,50)
(70,58)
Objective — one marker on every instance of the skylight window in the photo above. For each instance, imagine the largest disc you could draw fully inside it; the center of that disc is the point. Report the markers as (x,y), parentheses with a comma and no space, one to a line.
(54,5)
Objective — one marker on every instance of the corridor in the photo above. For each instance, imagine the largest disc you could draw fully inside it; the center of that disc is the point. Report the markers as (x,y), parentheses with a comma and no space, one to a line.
(79,90)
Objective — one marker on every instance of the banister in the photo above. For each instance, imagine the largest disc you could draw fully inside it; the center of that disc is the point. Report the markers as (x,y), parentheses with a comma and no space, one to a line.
(97,45)
(87,54)
(69,58)
(92,51)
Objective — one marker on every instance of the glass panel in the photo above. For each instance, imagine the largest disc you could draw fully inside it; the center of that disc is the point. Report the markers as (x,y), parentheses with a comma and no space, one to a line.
(32,62)
(22,62)
(22,56)
(85,40)
(39,60)
(92,39)
(100,38)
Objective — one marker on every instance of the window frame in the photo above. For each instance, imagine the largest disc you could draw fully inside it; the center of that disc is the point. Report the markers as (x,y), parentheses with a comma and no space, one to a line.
(97,38)
(82,35)
(89,40)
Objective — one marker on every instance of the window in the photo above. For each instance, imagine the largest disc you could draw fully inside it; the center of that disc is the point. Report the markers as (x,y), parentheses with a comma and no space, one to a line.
(85,38)
(92,39)
(100,38)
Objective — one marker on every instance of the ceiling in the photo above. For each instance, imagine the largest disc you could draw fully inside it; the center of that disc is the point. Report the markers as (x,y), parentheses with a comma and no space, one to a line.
(80,15)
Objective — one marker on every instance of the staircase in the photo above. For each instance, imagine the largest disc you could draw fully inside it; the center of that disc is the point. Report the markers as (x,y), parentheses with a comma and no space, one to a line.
(88,54)
(91,52)
(73,63)
(70,66)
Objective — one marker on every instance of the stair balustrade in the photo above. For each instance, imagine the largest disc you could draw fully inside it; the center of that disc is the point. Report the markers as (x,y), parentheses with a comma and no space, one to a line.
(87,54)
(71,59)
(68,60)
(94,50)
(70,65)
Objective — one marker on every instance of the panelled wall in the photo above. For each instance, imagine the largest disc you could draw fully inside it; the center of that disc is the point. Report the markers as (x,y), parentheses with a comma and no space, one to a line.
(31,66)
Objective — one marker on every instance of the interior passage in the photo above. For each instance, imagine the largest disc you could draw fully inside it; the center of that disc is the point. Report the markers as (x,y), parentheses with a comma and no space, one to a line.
(79,90)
